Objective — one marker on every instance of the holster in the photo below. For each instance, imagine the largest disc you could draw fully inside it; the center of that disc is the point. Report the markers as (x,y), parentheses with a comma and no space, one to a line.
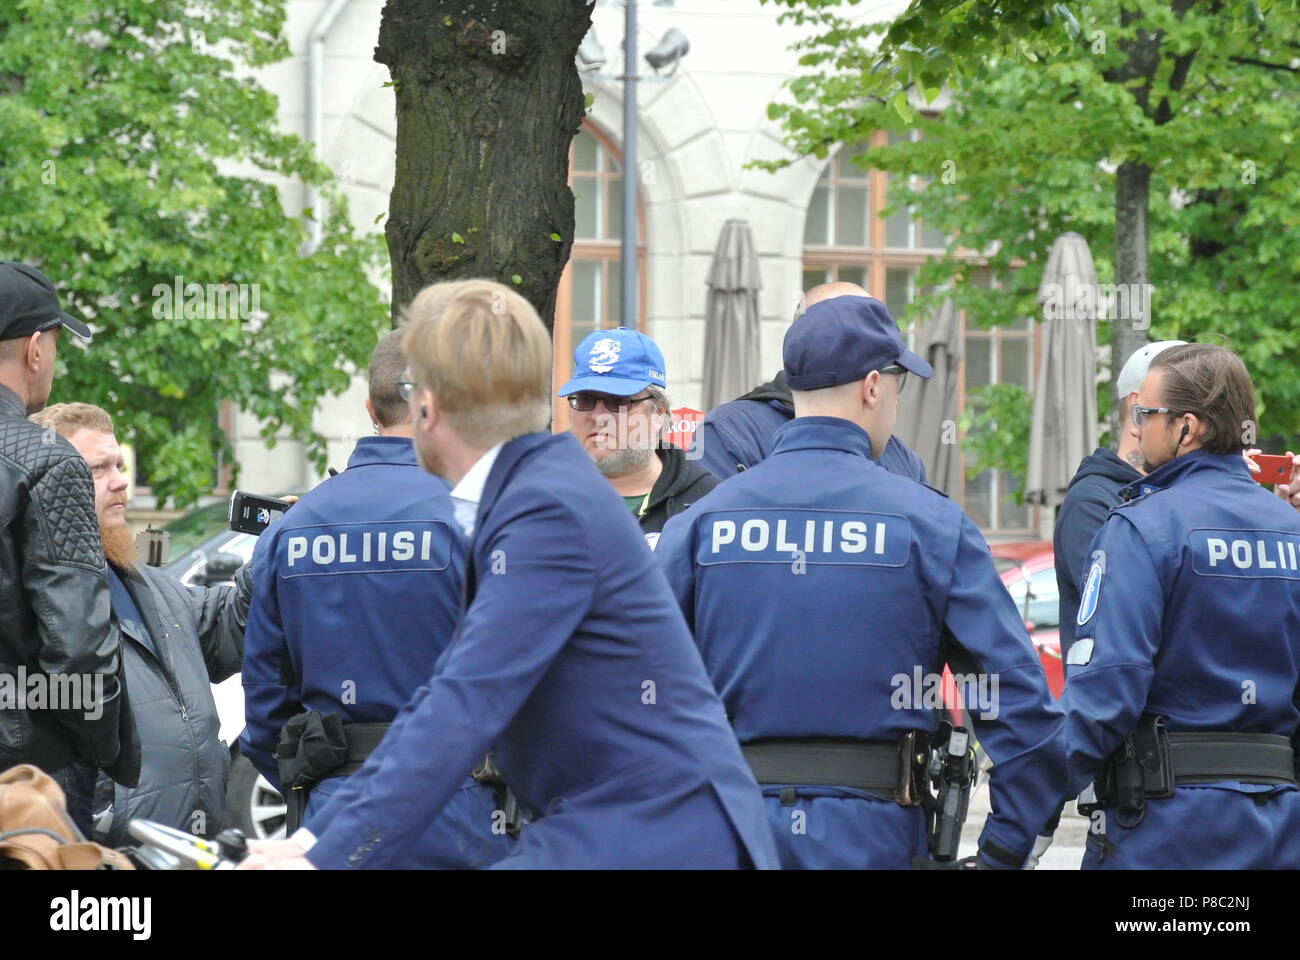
(487,774)
(314,746)
(951,775)
(1139,768)
(1152,761)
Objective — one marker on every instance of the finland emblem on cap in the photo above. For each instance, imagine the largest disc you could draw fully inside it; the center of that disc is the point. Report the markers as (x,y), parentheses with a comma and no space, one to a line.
(604,354)
(1092,588)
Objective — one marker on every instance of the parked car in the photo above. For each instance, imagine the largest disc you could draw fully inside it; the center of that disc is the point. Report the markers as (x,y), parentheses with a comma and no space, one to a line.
(204,551)
(1028,570)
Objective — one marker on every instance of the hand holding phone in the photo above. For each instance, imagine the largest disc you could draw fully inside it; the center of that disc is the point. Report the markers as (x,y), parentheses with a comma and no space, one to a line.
(1272,468)
(253,514)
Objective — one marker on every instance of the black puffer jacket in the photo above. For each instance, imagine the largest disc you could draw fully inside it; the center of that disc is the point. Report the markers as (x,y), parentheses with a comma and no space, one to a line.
(199,635)
(680,484)
(54,605)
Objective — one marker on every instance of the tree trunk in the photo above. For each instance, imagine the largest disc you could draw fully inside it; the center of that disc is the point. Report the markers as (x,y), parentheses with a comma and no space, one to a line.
(488,101)
(1132,192)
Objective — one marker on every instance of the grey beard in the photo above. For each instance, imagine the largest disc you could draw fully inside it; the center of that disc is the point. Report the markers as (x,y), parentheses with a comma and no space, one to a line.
(622,462)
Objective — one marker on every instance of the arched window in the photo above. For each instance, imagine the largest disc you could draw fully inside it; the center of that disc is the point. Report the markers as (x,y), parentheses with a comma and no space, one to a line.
(590,290)
(847,237)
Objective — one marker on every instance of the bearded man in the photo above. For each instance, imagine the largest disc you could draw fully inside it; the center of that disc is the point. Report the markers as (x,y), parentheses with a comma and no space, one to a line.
(176,642)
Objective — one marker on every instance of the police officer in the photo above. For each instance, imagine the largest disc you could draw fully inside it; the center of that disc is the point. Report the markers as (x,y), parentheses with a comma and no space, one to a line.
(826,594)
(357,592)
(734,436)
(1181,684)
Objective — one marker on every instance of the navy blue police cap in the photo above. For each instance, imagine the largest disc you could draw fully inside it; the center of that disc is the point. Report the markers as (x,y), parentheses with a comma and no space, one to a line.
(841,340)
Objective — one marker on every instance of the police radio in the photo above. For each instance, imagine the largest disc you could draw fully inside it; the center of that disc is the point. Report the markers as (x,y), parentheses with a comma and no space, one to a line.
(253,514)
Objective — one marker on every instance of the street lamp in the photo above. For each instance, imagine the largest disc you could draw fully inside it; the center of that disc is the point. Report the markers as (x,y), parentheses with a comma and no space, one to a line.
(668,52)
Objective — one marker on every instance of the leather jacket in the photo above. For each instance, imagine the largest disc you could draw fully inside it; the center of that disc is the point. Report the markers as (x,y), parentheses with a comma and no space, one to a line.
(55,616)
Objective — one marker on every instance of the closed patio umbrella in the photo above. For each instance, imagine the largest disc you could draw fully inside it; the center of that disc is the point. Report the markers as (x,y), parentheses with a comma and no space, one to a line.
(1064,428)
(927,410)
(731,355)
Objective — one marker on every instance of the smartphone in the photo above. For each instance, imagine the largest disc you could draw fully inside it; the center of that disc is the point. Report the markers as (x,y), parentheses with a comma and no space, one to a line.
(253,514)
(1272,468)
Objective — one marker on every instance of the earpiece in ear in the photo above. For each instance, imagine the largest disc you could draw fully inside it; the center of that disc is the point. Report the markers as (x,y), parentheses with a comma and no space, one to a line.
(1182,435)
(424,413)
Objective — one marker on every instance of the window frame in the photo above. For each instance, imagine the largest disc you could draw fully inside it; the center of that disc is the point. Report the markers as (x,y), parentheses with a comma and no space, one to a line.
(608,252)
(876,259)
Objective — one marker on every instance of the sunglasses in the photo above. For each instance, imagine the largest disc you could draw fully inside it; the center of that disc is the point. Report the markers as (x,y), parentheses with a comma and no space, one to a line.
(584,402)
(1139,413)
(900,372)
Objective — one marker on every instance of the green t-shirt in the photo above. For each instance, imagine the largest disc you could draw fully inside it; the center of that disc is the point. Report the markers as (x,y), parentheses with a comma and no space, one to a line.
(637,504)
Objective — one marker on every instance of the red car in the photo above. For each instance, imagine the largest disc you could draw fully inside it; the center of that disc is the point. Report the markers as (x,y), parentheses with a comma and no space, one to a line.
(1028,571)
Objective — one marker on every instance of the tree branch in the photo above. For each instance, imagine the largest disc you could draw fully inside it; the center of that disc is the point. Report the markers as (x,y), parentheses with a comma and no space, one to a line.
(1252,62)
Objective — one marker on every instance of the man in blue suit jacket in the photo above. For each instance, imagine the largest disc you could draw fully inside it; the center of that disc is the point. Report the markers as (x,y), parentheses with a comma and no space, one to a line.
(571,662)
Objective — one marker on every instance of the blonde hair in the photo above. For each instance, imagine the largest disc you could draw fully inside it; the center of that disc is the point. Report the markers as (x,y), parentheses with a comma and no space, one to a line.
(67,418)
(484,354)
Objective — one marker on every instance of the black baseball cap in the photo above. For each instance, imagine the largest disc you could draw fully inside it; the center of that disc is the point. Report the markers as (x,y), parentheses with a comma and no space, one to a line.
(28,304)
(841,340)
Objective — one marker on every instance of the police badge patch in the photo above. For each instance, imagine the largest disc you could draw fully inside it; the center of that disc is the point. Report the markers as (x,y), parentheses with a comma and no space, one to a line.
(1092,588)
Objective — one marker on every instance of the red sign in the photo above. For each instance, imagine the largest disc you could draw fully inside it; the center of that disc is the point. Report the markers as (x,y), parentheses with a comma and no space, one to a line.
(685,422)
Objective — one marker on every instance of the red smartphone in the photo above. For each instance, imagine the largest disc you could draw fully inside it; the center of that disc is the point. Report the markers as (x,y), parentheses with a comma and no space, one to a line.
(1273,468)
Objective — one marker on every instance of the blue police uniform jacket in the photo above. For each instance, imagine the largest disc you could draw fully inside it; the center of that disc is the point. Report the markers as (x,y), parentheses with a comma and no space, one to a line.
(572,661)
(820,588)
(356,594)
(739,434)
(1190,610)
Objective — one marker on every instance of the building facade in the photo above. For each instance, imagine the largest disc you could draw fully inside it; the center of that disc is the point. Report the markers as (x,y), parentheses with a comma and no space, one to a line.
(699,129)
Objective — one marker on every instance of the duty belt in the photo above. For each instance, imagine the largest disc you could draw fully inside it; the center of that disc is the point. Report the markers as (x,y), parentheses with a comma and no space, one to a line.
(1248,757)
(315,746)
(886,768)
(1152,761)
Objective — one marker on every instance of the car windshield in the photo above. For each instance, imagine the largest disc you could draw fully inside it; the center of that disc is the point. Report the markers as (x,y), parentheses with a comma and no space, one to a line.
(191,530)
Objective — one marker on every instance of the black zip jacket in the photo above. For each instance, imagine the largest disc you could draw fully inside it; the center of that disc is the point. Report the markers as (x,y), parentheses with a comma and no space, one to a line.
(680,484)
(1093,491)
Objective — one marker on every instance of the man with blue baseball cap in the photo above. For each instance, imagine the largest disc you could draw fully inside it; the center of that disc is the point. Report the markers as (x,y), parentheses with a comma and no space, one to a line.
(736,435)
(621,411)
(826,594)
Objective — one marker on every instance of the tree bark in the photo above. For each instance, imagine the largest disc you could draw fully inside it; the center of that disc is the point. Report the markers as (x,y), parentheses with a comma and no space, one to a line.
(488,101)
(1129,332)
(1133,196)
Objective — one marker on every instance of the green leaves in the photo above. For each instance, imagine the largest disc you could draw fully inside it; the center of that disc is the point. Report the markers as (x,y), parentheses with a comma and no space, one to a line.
(116,135)
(995,430)
(556,237)
(457,238)
(1041,115)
